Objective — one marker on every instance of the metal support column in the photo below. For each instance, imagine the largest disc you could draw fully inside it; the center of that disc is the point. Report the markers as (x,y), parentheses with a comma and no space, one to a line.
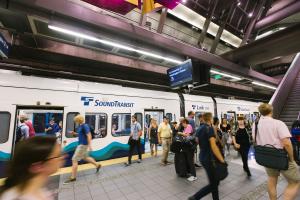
(257,13)
(162,20)
(206,24)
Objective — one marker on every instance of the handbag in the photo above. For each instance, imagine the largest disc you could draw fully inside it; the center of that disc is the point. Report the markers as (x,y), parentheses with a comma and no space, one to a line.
(269,156)
(220,170)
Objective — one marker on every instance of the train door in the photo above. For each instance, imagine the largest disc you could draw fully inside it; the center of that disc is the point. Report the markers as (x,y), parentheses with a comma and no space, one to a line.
(6,138)
(151,114)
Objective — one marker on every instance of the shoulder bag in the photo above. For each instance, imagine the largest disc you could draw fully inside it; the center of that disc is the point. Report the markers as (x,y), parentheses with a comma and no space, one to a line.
(269,156)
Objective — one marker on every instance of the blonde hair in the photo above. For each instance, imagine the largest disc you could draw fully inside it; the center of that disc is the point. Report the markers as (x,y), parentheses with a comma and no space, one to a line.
(265,109)
(79,119)
(207,117)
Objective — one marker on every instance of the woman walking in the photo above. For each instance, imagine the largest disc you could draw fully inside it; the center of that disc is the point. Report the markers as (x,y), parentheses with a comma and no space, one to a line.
(153,137)
(241,141)
(209,152)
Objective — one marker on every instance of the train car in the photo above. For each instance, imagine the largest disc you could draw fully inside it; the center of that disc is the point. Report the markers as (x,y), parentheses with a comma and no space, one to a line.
(107,109)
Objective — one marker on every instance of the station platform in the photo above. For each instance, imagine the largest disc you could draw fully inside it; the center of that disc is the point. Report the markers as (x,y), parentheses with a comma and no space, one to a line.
(151,181)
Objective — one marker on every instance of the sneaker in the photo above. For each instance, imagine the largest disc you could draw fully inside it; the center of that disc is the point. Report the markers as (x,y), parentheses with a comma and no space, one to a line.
(191,198)
(192,178)
(198,165)
(98,168)
(163,163)
(70,180)
(139,161)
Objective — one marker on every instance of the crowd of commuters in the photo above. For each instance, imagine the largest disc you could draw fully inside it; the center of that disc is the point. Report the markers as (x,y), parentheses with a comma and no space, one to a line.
(38,157)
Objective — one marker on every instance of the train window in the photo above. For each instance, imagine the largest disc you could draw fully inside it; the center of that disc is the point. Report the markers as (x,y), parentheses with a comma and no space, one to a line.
(169,116)
(4,126)
(70,125)
(121,123)
(139,117)
(97,123)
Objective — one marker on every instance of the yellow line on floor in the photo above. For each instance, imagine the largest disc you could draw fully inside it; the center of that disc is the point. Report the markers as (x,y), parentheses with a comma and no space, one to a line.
(83,167)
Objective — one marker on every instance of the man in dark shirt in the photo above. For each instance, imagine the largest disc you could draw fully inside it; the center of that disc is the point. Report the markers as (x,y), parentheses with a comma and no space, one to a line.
(52,128)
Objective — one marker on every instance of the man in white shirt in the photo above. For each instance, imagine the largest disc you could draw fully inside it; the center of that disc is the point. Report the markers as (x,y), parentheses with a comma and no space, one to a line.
(276,133)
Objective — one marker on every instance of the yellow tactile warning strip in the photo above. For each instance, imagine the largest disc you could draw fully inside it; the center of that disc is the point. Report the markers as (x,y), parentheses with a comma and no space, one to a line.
(82,167)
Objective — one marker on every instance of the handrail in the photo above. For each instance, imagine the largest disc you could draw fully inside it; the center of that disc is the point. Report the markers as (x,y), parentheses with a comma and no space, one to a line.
(285,87)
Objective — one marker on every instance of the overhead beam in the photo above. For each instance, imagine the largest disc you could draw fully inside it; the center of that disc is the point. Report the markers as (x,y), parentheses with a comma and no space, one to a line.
(79,13)
(281,43)
(278,16)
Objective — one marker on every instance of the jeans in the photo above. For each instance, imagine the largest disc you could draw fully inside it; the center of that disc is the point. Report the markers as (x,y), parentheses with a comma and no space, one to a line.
(134,143)
(212,187)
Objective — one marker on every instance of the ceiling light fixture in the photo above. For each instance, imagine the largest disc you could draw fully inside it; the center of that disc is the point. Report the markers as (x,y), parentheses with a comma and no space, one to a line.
(113,44)
(250,14)
(264,85)
(239,3)
(226,75)
(183,1)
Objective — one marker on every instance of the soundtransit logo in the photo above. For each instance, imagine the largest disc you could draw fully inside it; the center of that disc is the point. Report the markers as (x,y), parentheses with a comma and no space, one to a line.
(87,100)
(97,102)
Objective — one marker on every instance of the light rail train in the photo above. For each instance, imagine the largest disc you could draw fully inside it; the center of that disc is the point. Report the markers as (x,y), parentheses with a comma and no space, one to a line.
(106,107)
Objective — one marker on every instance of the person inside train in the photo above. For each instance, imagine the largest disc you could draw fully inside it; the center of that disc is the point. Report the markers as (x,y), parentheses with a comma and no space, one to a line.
(226,132)
(241,142)
(30,126)
(209,150)
(153,136)
(189,148)
(51,128)
(22,131)
(135,140)
(219,135)
(34,160)
(165,138)
(82,150)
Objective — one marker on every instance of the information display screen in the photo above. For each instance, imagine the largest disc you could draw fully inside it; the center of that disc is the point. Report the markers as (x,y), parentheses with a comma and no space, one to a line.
(181,75)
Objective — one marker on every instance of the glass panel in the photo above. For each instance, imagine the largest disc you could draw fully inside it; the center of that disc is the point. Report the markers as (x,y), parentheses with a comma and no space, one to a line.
(4,126)
(97,124)
(170,116)
(121,124)
(70,126)
(139,117)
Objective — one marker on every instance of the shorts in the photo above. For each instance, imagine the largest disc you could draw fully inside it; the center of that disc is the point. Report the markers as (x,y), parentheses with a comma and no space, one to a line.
(81,152)
(292,174)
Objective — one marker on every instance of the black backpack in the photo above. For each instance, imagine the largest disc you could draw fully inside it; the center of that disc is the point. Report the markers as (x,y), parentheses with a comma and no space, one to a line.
(19,134)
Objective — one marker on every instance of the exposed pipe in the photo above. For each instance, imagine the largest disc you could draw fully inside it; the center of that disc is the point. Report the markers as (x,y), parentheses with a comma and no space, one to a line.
(278,16)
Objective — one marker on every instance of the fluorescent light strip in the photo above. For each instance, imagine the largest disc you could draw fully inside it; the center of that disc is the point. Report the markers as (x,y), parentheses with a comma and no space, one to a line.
(113,44)
(264,85)
(226,75)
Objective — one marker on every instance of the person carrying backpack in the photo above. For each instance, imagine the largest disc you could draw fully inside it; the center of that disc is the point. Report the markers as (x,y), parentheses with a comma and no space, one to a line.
(22,132)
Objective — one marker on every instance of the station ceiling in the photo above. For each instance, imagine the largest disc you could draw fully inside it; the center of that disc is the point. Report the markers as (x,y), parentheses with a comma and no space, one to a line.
(36,44)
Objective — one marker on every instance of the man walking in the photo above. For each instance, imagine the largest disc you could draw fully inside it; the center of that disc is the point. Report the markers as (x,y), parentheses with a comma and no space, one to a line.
(276,133)
(134,140)
(164,138)
(84,145)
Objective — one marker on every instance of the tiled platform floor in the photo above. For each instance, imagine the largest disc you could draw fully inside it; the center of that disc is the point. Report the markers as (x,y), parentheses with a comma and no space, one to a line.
(151,181)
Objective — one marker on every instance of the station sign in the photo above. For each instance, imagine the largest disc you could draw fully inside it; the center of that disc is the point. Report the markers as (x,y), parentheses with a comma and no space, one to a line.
(4,47)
